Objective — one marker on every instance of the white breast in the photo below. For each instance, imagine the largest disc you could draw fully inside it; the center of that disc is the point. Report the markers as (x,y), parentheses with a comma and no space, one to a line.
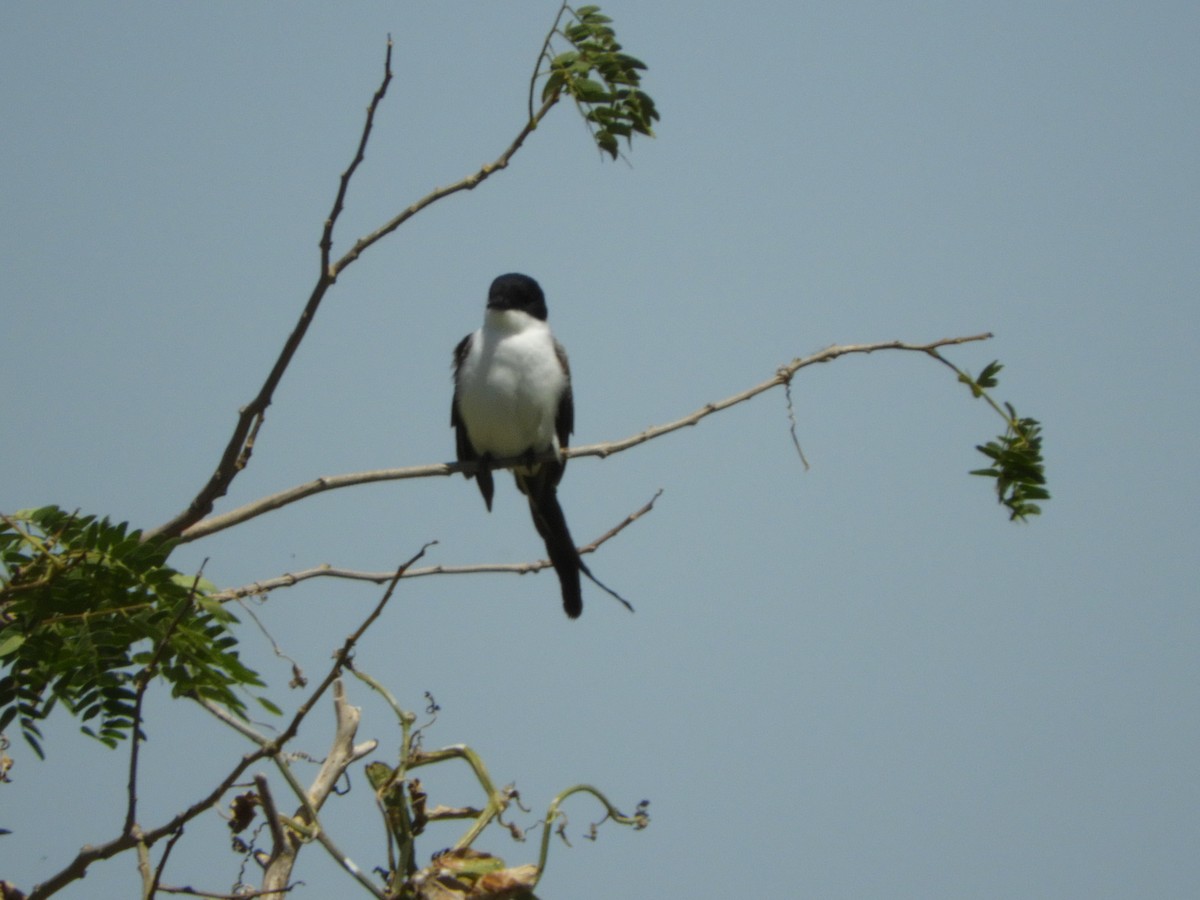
(509,386)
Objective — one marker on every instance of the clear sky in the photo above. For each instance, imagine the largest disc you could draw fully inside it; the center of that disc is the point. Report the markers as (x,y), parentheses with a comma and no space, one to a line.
(856,681)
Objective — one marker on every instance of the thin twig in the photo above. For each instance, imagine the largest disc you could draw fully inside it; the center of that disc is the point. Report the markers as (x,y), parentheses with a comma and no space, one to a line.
(340,657)
(189,891)
(298,679)
(162,860)
(78,867)
(638,820)
(142,682)
(466,184)
(783,376)
(537,68)
(326,571)
(344,184)
(791,411)
(237,451)
(620,526)
(232,721)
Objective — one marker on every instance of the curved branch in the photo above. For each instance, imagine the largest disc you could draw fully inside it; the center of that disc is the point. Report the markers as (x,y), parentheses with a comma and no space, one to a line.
(467,184)
(639,820)
(783,376)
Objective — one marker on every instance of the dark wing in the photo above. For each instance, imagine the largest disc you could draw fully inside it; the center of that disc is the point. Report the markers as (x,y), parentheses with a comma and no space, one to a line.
(462,442)
(466,453)
(564,421)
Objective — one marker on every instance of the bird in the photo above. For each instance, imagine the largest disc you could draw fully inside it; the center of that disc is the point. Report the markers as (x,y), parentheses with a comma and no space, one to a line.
(512,398)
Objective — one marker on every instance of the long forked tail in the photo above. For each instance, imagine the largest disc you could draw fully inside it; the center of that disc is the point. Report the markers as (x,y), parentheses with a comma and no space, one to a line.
(551,524)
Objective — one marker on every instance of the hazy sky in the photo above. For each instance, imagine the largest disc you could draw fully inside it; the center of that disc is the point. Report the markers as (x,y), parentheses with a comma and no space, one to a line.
(855,681)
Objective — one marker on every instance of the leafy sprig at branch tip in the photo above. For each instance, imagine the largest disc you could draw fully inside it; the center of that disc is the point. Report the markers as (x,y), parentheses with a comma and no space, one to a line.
(603,80)
(1016,455)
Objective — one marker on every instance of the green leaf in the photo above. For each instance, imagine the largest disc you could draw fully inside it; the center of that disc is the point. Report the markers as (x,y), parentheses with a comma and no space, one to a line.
(607,143)
(987,378)
(269,706)
(602,79)
(31,738)
(553,84)
(11,643)
(88,607)
(585,90)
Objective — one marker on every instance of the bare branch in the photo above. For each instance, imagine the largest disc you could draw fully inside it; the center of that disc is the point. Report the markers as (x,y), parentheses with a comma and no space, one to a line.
(783,376)
(342,754)
(189,891)
(293,578)
(339,202)
(241,444)
(467,184)
(162,860)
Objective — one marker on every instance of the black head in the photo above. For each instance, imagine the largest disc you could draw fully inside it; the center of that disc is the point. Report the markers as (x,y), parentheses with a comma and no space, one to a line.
(519,292)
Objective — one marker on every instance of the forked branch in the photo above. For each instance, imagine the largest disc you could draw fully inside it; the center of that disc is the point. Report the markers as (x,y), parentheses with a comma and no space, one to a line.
(237,451)
(236,454)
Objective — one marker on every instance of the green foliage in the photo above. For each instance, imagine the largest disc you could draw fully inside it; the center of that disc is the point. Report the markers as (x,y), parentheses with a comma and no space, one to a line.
(88,612)
(1017,464)
(612,102)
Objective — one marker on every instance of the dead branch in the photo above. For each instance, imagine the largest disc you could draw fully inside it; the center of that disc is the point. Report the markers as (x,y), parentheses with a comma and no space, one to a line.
(342,754)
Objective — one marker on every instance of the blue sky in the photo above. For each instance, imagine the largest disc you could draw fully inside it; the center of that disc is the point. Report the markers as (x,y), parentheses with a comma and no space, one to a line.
(859,680)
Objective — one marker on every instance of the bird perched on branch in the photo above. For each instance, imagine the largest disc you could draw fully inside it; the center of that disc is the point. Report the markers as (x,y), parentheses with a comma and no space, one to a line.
(512,398)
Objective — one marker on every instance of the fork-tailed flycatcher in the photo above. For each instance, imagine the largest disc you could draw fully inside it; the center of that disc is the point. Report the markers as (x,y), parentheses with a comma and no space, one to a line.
(512,397)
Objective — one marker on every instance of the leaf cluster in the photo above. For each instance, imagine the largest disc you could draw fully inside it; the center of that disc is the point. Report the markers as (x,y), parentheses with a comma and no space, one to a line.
(89,612)
(1017,465)
(604,82)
